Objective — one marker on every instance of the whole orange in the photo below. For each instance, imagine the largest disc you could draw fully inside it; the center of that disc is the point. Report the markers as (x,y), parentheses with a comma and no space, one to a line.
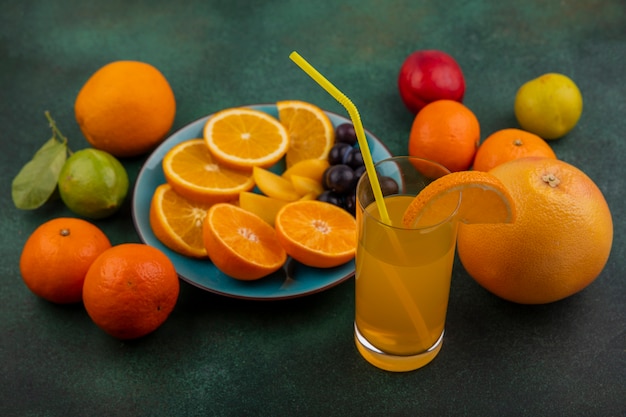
(130,290)
(57,255)
(125,108)
(447,132)
(508,144)
(559,243)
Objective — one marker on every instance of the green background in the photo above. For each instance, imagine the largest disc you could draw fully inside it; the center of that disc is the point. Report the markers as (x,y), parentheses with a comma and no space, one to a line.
(226,357)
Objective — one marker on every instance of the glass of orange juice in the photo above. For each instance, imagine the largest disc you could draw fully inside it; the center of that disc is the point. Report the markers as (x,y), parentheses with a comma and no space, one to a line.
(402,274)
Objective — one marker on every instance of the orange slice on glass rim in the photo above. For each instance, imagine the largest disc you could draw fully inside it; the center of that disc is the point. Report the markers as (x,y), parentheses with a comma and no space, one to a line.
(311,133)
(470,196)
(243,138)
(192,172)
(177,221)
(241,244)
(316,233)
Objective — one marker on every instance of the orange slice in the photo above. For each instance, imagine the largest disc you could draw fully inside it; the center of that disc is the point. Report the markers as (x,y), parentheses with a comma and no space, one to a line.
(477,197)
(241,244)
(177,221)
(193,173)
(243,138)
(316,233)
(311,133)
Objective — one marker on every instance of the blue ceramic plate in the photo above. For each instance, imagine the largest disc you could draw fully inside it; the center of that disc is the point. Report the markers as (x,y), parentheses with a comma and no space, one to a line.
(293,280)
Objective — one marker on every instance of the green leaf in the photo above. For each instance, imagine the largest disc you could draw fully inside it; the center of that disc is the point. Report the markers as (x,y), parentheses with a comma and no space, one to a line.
(37,180)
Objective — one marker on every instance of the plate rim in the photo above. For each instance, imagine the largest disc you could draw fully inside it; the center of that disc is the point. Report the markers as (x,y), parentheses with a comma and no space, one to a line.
(141,233)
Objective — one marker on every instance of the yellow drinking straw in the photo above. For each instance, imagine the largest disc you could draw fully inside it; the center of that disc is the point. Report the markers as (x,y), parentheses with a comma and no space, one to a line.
(358,128)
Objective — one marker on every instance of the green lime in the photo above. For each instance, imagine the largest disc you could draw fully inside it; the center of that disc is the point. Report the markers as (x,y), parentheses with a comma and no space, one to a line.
(548,106)
(93,183)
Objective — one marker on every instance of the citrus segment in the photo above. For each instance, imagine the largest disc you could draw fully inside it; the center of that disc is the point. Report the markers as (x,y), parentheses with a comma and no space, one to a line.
(177,221)
(311,133)
(263,206)
(477,197)
(316,233)
(305,186)
(274,185)
(192,172)
(243,138)
(310,168)
(241,244)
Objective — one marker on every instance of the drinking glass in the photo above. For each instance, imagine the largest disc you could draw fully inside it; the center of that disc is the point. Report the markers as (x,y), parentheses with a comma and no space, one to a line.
(403,274)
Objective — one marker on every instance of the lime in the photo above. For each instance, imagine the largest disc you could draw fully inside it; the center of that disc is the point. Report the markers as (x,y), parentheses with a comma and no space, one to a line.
(93,183)
(548,106)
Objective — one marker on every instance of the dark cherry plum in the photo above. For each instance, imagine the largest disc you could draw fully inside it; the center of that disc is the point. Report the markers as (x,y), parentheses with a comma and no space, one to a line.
(339,178)
(353,158)
(388,185)
(338,152)
(332,198)
(345,133)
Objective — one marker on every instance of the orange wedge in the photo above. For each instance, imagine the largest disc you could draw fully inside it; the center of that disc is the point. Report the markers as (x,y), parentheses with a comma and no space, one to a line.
(311,133)
(316,233)
(177,221)
(263,206)
(241,244)
(192,172)
(242,138)
(477,197)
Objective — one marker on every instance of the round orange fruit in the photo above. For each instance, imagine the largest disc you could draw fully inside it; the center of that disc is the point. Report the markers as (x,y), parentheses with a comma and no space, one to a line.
(125,108)
(557,246)
(57,256)
(447,132)
(508,144)
(130,290)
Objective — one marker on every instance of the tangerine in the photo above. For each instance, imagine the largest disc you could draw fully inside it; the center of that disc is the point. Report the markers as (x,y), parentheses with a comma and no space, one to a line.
(57,255)
(130,290)
(558,244)
(447,132)
(125,108)
(507,144)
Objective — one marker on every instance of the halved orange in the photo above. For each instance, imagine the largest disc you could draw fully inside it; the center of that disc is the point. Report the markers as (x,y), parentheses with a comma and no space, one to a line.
(192,172)
(177,221)
(311,133)
(316,233)
(242,138)
(241,244)
(471,196)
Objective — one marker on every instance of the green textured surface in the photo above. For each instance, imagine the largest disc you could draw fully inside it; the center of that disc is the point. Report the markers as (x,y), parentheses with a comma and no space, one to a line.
(225,357)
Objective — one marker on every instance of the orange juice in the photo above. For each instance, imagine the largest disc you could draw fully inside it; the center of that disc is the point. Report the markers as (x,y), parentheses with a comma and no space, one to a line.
(402,286)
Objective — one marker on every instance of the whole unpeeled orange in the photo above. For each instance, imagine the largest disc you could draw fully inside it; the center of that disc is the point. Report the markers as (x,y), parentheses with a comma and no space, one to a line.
(57,256)
(447,132)
(125,108)
(130,290)
(559,243)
